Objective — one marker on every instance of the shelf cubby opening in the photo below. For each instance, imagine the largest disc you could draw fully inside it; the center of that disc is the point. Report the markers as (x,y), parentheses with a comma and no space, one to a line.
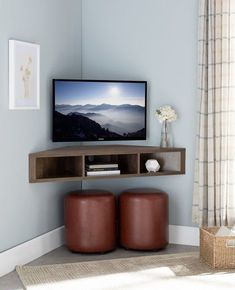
(58,167)
(169,161)
(127,163)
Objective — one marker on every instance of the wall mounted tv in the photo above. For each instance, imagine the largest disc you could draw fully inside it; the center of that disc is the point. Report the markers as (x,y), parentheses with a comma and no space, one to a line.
(94,110)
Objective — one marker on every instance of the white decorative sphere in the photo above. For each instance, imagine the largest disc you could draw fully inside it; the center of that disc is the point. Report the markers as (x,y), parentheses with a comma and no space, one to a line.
(152,165)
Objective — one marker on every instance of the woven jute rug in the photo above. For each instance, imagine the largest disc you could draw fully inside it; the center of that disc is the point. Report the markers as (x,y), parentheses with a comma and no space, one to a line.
(171,271)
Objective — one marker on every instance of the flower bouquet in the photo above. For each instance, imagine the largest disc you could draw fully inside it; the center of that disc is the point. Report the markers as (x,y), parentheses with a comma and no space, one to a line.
(166,115)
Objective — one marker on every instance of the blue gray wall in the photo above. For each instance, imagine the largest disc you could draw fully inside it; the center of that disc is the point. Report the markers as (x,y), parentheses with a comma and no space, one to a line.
(28,210)
(153,40)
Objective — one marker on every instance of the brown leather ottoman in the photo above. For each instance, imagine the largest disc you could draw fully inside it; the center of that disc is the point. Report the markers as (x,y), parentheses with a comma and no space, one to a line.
(90,221)
(143,219)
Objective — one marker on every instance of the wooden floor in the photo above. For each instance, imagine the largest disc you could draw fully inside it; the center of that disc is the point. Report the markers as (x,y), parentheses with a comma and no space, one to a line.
(62,255)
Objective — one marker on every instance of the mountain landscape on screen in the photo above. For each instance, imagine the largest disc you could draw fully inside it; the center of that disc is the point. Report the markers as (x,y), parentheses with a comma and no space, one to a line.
(97,120)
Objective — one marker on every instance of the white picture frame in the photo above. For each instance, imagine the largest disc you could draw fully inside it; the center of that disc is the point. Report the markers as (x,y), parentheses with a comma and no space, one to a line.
(24,75)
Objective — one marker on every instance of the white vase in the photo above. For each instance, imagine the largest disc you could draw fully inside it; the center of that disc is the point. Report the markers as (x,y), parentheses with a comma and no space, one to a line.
(166,135)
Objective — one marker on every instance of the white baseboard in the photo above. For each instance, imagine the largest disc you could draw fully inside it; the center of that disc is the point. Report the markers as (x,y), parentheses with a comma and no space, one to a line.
(41,245)
(183,235)
(30,250)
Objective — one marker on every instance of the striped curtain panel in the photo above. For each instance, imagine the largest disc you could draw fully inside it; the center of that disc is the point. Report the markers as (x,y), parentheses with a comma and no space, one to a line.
(214,183)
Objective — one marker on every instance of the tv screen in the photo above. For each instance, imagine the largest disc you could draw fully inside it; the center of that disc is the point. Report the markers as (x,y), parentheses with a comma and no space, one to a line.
(88,110)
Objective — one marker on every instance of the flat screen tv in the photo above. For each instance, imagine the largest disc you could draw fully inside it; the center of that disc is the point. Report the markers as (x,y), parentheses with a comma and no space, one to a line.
(94,110)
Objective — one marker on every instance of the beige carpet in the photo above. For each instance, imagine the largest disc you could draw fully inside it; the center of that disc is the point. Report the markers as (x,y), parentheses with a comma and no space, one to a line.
(171,271)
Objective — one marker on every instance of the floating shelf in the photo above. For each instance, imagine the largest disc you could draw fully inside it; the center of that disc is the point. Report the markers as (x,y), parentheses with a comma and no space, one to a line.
(68,163)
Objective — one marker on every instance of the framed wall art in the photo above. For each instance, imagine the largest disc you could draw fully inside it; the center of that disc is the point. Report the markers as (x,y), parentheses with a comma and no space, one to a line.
(24,75)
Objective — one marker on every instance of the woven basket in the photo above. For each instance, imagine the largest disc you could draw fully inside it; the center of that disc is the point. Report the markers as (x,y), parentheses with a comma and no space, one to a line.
(217,252)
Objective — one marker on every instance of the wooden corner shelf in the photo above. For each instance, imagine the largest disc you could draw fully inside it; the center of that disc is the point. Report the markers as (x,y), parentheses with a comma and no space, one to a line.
(68,163)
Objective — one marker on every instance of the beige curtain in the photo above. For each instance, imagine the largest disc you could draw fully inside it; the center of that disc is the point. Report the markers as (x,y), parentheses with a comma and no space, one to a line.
(214,184)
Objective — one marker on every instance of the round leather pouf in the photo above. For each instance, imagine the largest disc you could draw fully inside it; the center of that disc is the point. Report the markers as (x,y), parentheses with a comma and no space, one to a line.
(90,221)
(143,219)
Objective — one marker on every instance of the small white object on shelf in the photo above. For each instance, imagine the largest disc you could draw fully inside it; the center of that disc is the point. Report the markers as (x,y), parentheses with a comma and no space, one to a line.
(152,165)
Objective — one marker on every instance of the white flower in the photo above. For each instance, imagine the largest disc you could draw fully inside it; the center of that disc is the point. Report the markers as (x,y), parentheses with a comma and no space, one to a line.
(166,113)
